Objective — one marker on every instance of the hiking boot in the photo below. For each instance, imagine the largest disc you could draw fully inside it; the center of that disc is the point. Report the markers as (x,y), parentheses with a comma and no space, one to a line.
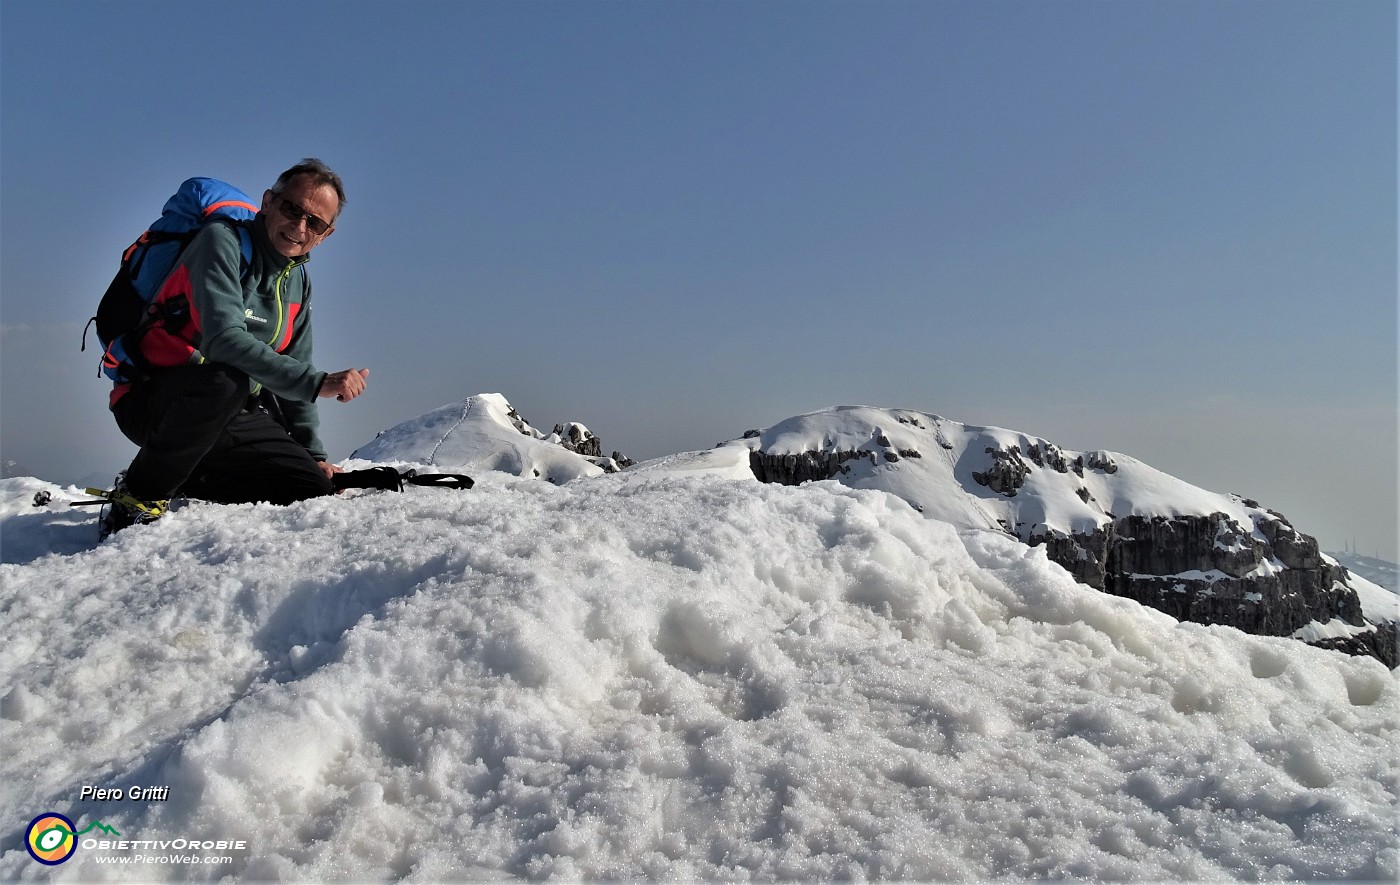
(124,510)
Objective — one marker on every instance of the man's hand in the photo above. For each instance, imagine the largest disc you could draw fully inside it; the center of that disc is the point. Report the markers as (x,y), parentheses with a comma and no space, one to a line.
(345,385)
(329,469)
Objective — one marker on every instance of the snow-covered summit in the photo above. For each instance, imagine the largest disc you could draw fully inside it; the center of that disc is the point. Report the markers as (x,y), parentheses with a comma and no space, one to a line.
(484,432)
(1114,522)
(985,477)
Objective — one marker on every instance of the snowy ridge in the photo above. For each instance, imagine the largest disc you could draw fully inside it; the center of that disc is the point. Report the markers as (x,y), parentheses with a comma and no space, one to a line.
(482,432)
(936,462)
(659,675)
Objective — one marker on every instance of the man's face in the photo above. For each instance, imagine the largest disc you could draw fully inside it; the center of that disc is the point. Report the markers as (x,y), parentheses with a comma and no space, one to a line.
(292,233)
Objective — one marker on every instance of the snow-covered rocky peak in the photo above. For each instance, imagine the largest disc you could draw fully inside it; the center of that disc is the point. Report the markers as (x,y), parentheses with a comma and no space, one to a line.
(484,432)
(1115,523)
(980,477)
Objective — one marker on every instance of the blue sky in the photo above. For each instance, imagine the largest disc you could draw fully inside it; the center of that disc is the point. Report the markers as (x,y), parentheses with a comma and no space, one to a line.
(1164,229)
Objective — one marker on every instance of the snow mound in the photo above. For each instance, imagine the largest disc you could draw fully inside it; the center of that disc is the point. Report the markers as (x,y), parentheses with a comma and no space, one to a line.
(482,432)
(660,676)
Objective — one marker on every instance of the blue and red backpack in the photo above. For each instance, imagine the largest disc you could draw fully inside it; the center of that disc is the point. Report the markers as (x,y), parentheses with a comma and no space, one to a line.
(129,308)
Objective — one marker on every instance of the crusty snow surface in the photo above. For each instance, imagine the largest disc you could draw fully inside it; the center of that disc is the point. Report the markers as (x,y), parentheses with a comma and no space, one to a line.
(672,673)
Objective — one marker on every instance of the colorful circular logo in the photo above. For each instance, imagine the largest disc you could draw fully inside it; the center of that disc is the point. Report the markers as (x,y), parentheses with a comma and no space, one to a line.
(50,838)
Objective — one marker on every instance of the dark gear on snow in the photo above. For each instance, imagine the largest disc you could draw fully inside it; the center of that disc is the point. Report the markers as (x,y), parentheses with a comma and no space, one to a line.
(390,479)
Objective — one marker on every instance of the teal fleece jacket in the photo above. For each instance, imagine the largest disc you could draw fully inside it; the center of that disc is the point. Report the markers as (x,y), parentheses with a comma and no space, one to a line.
(261,325)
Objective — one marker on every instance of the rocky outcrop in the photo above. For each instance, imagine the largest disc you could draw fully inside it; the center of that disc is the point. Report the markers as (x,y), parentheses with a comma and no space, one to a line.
(1210,570)
(1007,473)
(1268,579)
(1382,642)
(795,469)
(581,441)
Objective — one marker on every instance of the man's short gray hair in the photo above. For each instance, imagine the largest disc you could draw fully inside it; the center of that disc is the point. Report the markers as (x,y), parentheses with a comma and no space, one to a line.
(320,174)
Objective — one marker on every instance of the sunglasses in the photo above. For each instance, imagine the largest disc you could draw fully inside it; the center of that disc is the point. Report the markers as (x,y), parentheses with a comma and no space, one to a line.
(292,212)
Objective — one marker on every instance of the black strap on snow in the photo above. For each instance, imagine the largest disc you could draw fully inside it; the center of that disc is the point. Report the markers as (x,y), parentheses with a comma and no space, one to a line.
(390,479)
(370,478)
(439,480)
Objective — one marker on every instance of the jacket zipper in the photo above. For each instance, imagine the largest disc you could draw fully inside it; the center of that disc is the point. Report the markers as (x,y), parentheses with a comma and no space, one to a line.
(277,331)
(277,292)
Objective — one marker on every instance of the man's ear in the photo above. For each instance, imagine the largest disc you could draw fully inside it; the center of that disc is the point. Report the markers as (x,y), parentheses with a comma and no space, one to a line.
(267,200)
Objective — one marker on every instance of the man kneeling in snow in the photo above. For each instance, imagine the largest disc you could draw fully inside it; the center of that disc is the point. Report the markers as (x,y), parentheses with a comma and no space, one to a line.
(234,419)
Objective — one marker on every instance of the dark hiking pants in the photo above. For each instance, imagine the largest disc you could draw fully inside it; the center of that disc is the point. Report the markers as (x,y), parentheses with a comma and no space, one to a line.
(200,436)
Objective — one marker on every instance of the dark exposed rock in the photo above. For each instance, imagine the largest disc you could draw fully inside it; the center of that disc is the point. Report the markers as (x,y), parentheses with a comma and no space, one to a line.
(520,423)
(1046,454)
(1158,545)
(1100,461)
(795,469)
(578,439)
(1083,556)
(896,454)
(581,441)
(1007,473)
(1382,643)
(1293,548)
(1210,570)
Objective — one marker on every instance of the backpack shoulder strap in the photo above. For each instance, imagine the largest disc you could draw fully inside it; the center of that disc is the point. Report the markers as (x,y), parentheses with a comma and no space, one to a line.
(245,242)
(245,246)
